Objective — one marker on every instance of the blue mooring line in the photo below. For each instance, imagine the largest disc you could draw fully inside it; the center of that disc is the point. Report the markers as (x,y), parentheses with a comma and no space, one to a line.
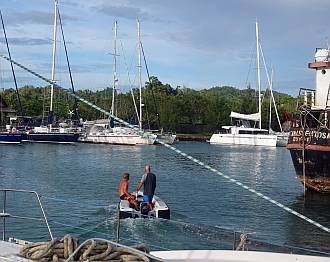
(142,133)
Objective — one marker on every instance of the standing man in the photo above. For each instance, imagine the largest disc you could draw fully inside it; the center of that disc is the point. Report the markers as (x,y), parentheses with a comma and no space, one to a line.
(149,185)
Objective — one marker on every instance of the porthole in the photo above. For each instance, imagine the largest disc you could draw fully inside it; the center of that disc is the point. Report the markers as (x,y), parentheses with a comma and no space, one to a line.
(323,71)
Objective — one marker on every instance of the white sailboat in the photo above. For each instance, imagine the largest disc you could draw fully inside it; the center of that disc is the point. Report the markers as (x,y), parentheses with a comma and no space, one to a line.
(102,131)
(243,130)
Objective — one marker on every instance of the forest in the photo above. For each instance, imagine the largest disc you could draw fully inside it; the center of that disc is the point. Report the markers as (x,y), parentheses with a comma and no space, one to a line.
(180,109)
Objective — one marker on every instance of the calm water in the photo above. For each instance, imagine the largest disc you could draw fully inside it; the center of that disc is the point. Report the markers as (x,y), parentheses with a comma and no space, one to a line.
(78,184)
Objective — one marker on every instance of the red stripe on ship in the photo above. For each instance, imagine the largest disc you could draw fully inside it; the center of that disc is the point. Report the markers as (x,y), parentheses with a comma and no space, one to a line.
(309,147)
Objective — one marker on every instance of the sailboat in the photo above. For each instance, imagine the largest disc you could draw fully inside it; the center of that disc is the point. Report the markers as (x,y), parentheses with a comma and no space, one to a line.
(243,130)
(106,132)
(48,133)
(9,135)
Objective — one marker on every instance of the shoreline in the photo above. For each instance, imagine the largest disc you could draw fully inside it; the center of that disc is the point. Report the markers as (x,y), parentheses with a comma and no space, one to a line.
(193,137)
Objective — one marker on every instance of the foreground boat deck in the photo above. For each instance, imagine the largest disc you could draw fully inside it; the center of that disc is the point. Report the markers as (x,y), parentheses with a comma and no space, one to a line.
(9,251)
(233,256)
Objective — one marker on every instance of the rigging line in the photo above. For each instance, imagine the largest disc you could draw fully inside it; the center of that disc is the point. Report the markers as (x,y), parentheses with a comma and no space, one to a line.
(11,65)
(67,60)
(270,83)
(151,85)
(65,200)
(228,230)
(129,80)
(82,228)
(178,151)
(160,247)
(250,65)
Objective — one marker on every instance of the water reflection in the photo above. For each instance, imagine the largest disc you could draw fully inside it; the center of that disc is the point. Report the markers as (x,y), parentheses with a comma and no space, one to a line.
(300,233)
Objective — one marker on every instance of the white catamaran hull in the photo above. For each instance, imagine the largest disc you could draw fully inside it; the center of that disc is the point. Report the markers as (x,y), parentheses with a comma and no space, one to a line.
(244,139)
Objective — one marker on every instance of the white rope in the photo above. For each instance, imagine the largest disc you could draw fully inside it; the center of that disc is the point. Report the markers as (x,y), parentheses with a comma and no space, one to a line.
(146,135)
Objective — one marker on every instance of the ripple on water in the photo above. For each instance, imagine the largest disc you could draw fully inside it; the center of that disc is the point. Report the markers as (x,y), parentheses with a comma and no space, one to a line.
(79,188)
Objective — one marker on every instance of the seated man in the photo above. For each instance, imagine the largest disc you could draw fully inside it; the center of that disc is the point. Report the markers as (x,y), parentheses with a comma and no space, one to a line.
(149,185)
(123,191)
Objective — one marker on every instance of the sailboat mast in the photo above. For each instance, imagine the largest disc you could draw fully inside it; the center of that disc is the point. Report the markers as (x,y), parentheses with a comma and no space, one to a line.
(76,111)
(139,71)
(11,65)
(53,64)
(258,73)
(270,101)
(114,70)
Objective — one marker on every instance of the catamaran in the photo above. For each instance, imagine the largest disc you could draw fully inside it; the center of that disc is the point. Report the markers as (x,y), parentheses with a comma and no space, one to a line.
(246,129)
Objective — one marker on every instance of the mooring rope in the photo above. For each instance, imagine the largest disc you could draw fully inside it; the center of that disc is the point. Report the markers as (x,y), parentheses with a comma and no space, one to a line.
(146,135)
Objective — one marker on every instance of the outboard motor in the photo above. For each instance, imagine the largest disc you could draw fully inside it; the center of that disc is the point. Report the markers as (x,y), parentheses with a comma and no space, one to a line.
(144,208)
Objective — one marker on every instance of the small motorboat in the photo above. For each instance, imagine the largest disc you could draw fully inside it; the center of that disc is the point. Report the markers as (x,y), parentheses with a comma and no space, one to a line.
(160,210)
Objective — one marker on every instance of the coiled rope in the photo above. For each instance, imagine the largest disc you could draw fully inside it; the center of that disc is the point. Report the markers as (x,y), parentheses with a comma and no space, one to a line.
(146,135)
(96,249)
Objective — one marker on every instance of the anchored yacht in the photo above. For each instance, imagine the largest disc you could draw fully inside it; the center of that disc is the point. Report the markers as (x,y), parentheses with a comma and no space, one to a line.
(243,134)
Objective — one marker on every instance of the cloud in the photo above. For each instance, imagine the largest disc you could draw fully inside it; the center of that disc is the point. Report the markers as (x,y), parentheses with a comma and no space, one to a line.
(197,42)
(34,17)
(24,41)
(119,11)
(126,11)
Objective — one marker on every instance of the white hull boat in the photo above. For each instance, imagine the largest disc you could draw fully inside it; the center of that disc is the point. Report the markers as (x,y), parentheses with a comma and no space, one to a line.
(161,210)
(243,130)
(116,136)
(244,136)
(232,256)
(282,139)
(166,138)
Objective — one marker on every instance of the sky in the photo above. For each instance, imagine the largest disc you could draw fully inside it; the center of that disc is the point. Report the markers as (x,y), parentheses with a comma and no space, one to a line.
(187,43)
